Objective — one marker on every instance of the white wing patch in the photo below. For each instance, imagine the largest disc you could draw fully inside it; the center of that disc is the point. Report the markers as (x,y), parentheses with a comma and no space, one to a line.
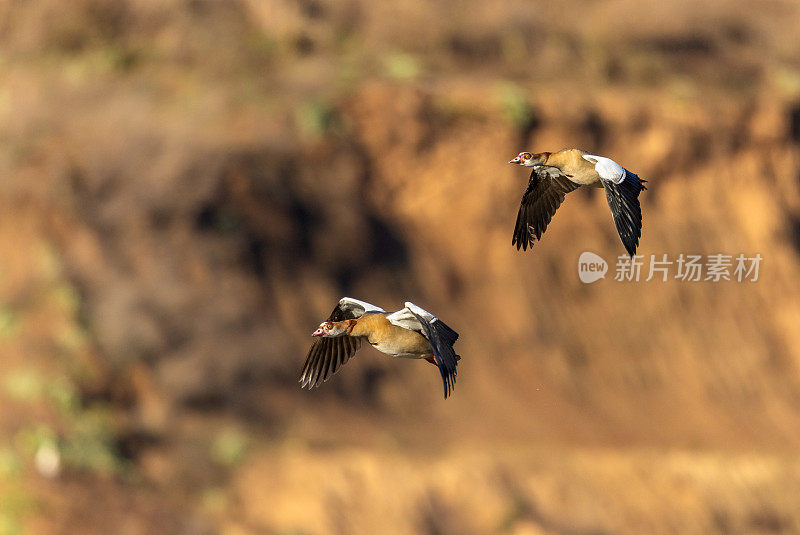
(420,311)
(607,168)
(405,318)
(358,307)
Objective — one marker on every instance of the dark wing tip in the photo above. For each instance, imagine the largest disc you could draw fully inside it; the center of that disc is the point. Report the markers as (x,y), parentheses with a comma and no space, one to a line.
(448,374)
(623,199)
(520,238)
(546,190)
(442,339)
(521,243)
(325,358)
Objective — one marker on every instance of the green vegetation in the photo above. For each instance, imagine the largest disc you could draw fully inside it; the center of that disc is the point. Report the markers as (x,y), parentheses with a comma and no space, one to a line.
(786,80)
(24,384)
(402,66)
(315,118)
(65,432)
(89,443)
(15,505)
(229,447)
(9,323)
(515,105)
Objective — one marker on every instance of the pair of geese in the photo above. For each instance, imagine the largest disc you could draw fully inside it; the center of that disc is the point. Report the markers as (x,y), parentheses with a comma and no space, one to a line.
(416,333)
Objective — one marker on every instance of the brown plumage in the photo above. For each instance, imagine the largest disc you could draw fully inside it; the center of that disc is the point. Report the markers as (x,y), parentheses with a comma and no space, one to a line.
(553,175)
(411,332)
(388,338)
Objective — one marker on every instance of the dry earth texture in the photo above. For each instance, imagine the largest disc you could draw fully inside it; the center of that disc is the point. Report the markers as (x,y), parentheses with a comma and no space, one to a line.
(188,186)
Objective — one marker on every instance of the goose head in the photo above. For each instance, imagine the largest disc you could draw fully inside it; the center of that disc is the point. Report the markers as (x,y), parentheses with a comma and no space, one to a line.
(331,329)
(526,159)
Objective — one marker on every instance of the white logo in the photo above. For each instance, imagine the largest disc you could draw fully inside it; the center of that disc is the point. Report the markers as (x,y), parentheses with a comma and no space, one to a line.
(591,267)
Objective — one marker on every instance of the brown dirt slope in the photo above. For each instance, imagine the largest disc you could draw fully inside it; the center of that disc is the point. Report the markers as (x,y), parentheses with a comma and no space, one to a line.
(189,187)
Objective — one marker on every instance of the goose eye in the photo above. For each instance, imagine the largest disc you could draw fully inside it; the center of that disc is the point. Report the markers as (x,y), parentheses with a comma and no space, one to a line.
(526,156)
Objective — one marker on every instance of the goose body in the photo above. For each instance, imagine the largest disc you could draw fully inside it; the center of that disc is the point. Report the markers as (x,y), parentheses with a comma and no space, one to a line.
(410,332)
(391,339)
(553,175)
(577,169)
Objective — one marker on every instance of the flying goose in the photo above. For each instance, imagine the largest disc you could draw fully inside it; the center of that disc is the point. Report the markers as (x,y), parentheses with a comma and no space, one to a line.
(411,332)
(558,173)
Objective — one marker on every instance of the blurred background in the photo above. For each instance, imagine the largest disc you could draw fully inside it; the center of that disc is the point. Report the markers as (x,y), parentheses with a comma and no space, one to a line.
(189,186)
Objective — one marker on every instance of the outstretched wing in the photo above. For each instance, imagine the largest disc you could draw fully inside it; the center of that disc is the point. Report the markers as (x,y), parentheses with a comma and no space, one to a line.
(325,358)
(546,190)
(623,199)
(440,336)
(622,193)
(327,355)
(353,308)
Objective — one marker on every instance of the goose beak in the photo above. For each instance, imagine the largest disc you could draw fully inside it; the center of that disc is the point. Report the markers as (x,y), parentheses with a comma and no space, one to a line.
(515,160)
(319,332)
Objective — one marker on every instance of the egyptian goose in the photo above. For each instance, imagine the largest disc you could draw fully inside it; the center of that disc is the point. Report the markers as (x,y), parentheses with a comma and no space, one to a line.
(408,333)
(558,173)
